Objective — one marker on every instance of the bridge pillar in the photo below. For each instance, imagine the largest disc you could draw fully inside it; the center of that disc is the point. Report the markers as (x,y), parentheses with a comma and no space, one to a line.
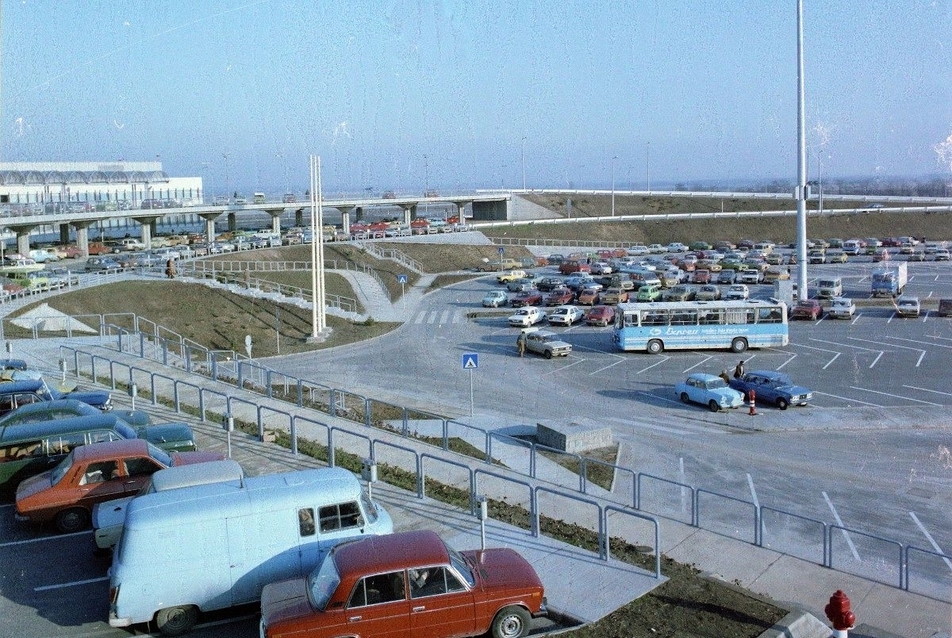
(275,219)
(232,222)
(23,238)
(461,210)
(299,217)
(409,213)
(209,225)
(345,212)
(82,235)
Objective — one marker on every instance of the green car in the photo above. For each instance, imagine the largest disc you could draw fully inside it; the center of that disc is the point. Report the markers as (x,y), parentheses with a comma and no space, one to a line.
(649,292)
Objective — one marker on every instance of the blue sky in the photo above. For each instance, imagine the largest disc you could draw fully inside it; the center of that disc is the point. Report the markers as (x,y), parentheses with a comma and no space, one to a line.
(397,94)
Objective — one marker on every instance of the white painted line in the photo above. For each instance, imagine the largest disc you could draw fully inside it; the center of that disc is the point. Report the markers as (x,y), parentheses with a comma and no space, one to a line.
(663,359)
(781,366)
(800,345)
(895,396)
(914,387)
(837,343)
(920,350)
(699,363)
(44,538)
(921,357)
(928,536)
(606,367)
(856,318)
(830,362)
(878,356)
(839,522)
(72,584)
(935,345)
(848,399)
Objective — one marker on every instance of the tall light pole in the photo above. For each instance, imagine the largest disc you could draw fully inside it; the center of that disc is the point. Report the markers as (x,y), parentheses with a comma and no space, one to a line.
(613,184)
(523,163)
(647,158)
(227,184)
(801,191)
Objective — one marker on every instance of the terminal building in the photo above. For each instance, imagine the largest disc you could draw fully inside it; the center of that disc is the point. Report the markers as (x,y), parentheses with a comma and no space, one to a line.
(36,187)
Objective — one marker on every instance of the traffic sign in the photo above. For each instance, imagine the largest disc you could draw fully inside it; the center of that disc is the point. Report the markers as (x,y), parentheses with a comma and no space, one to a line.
(501,250)
(402,278)
(470,360)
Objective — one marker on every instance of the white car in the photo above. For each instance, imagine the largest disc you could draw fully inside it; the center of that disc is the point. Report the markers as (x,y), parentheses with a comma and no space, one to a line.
(527,316)
(841,308)
(737,291)
(907,306)
(566,315)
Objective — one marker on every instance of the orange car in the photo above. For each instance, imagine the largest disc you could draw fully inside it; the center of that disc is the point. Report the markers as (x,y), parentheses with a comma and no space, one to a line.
(92,474)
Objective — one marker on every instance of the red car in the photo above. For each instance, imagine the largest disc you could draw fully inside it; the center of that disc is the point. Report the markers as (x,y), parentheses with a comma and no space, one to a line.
(807,309)
(570,267)
(600,316)
(528,298)
(406,584)
(559,297)
(92,474)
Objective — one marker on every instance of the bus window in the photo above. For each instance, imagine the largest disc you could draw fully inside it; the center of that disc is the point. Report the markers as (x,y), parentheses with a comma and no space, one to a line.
(710,317)
(684,318)
(769,315)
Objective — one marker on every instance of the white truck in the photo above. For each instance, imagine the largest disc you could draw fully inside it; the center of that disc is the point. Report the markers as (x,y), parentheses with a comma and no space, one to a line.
(841,308)
(889,281)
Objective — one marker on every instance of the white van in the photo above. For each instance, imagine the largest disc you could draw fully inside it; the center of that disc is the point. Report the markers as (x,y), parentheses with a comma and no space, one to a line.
(109,516)
(214,546)
(853,246)
(829,288)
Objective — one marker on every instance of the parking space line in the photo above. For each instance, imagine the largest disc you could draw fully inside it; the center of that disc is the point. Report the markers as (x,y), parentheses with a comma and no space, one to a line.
(876,359)
(915,387)
(839,522)
(698,364)
(72,584)
(606,367)
(920,350)
(781,366)
(937,345)
(663,359)
(895,396)
(43,538)
(850,399)
(929,538)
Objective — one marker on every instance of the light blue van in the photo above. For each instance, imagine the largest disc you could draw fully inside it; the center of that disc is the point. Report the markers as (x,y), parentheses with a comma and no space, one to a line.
(213,546)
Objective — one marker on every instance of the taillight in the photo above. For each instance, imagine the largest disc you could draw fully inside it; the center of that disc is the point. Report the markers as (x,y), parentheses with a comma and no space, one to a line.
(113,595)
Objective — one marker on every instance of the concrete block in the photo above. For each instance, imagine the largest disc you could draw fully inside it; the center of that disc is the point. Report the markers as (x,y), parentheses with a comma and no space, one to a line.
(574,437)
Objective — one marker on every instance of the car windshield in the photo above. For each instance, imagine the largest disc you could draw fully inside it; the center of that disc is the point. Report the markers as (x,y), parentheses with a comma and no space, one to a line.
(322,582)
(716,384)
(61,470)
(460,564)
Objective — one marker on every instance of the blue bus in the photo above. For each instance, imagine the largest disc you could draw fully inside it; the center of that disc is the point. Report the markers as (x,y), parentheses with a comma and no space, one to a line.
(693,325)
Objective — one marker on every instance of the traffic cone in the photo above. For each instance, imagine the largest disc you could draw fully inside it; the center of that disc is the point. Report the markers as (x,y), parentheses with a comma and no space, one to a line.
(753,404)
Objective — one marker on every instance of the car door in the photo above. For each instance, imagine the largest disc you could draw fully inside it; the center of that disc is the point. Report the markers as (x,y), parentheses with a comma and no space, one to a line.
(136,472)
(99,481)
(440,605)
(378,607)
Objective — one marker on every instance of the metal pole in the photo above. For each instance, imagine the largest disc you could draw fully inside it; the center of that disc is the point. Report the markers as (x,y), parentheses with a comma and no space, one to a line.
(802,292)
(613,184)
(523,163)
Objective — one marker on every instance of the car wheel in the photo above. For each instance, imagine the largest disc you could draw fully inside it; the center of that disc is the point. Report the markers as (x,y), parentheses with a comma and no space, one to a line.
(175,621)
(72,520)
(547,354)
(739,344)
(712,406)
(782,403)
(684,397)
(511,622)
(655,347)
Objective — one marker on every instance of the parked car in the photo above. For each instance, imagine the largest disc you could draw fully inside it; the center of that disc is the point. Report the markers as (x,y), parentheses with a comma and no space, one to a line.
(710,390)
(400,581)
(521,285)
(512,275)
(772,387)
(559,297)
(547,284)
(749,276)
(807,309)
(528,298)
(841,308)
(495,298)
(678,293)
(547,344)
(15,393)
(92,474)
(650,292)
(527,316)
(737,291)
(600,316)
(709,292)
(588,296)
(907,306)
(614,296)
(566,315)
(102,264)
(941,254)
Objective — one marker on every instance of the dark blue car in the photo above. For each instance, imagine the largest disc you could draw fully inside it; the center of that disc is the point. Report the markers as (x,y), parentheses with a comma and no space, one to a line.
(772,387)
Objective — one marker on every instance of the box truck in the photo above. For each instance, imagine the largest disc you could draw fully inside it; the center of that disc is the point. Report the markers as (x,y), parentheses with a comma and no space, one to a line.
(889,281)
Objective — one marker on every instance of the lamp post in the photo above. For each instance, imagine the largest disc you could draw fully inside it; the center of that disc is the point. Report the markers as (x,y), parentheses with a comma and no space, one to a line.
(227,183)
(613,184)
(647,158)
(523,163)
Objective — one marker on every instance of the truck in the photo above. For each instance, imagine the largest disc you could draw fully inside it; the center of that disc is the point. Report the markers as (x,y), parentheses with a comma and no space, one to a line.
(889,281)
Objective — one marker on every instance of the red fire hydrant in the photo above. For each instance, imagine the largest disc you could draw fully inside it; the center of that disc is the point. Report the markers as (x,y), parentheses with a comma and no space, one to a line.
(838,611)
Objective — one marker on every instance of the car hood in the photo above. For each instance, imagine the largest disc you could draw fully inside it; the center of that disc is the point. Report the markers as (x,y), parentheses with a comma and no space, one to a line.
(189,458)
(791,389)
(33,485)
(728,393)
(503,568)
(285,600)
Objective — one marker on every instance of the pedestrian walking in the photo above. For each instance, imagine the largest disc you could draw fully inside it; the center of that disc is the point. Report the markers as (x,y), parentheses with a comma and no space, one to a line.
(521,344)
(170,268)
(739,370)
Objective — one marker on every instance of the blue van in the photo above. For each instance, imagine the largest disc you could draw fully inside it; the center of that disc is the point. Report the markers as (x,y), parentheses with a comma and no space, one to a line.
(207,547)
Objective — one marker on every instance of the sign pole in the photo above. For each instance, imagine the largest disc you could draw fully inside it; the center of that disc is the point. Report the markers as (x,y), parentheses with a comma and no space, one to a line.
(471,399)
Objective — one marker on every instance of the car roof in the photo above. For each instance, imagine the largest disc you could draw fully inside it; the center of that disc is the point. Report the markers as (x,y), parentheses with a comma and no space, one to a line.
(704,376)
(110,449)
(390,552)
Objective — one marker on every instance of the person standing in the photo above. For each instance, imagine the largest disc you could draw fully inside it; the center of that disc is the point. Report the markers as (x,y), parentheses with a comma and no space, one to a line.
(521,344)
(725,376)
(170,268)
(739,370)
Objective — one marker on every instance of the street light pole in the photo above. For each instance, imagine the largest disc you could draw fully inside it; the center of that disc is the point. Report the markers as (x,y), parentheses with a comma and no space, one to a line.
(523,163)
(647,158)
(227,183)
(613,184)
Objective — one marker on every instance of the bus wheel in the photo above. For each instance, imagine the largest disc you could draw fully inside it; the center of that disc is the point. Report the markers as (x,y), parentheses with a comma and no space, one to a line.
(655,347)
(739,344)
(175,621)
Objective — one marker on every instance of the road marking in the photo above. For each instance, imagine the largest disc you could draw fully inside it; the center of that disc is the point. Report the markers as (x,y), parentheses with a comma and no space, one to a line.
(849,399)
(837,343)
(699,363)
(914,387)
(919,350)
(792,357)
(606,367)
(663,359)
(895,396)
(876,359)
(72,584)
(928,536)
(839,522)
(936,345)
(44,538)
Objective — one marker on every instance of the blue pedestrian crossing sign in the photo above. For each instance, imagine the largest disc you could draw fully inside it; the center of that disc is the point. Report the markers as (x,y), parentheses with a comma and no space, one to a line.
(402,279)
(470,360)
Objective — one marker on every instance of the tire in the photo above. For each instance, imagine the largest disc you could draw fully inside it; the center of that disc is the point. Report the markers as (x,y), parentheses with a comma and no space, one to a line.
(548,354)
(655,346)
(712,406)
(684,397)
(510,622)
(175,621)
(739,344)
(72,520)
(782,403)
